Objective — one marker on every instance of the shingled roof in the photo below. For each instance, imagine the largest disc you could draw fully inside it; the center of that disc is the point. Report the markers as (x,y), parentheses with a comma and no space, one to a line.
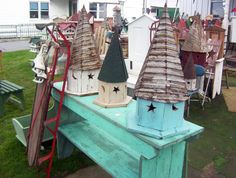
(196,39)
(161,78)
(189,69)
(113,69)
(84,54)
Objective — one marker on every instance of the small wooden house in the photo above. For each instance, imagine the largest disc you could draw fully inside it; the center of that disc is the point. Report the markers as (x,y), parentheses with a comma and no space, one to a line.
(85,62)
(112,78)
(190,74)
(160,89)
(195,44)
(68,29)
(139,42)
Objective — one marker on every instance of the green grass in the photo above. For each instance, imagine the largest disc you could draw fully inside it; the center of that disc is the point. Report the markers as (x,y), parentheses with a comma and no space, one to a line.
(216,144)
(13,159)
(218,141)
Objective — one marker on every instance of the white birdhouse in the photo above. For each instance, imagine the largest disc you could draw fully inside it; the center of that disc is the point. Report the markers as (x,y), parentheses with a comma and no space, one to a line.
(85,60)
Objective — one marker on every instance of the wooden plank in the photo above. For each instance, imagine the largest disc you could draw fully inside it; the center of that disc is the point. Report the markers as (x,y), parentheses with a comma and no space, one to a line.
(8,87)
(4,90)
(177,160)
(102,148)
(13,84)
(39,114)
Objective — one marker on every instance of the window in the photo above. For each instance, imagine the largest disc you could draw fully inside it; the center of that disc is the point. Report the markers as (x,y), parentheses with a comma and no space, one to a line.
(39,10)
(34,10)
(217,8)
(98,10)
(44,10)
(72,7)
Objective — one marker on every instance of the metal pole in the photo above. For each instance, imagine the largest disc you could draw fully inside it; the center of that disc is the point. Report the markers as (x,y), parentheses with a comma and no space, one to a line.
(176,7)
(144,6)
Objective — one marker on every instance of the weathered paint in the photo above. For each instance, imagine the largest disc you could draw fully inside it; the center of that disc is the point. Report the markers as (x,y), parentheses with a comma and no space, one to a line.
(78,82)
(164,117)
(102,135)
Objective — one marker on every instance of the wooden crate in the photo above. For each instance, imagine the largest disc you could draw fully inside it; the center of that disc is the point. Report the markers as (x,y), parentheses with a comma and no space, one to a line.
(21,126)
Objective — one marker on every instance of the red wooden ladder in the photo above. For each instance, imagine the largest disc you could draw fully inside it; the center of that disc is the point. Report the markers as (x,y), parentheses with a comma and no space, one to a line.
(56,119)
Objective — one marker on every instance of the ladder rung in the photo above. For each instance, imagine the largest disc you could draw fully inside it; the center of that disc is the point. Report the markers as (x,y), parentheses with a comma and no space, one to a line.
(49,121)
(45,158)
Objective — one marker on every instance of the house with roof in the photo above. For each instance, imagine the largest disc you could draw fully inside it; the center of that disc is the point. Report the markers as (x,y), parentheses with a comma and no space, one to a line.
(43,11)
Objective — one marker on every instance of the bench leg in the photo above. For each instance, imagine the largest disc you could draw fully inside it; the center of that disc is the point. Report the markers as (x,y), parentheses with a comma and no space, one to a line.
(3,100)
(19,100)
(227,79)
(22,100)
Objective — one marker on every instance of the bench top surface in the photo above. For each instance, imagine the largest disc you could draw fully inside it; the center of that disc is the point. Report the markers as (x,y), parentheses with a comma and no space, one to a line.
(7,87)
(118,117)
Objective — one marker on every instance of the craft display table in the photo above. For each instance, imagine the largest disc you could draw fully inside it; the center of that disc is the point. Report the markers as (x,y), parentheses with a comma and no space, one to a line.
(6,90)
(102,135)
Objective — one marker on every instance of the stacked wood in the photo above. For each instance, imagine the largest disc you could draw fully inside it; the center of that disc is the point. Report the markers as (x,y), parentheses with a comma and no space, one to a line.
(84,54)
(161,78)
(100,36)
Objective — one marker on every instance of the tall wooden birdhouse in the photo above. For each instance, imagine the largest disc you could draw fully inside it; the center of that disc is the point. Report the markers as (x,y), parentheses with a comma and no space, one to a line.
(195,44)
(160,89)
(190,74)
(112,78)
(85,60)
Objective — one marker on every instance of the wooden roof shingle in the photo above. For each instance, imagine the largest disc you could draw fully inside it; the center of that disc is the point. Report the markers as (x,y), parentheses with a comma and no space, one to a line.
(161,78)
(196,39)
(84,53)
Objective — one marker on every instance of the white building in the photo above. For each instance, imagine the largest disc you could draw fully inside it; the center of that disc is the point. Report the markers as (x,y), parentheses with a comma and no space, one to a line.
(13,12)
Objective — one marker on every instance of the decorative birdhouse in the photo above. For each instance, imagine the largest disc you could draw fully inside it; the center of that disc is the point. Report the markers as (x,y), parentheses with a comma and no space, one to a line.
(85,61)
(196,44)
(190,74)
(160,89)
(112,78)
(68,30)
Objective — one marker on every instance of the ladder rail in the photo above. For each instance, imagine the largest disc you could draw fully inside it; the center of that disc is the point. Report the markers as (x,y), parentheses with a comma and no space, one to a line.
(49,157)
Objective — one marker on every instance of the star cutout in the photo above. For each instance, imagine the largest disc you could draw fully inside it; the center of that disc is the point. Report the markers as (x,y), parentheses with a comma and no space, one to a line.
(151,107)
(211,54)
(174,108)
(116,89)
(90,76)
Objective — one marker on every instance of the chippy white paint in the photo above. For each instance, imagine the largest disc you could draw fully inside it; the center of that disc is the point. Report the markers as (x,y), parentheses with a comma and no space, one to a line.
(82,82)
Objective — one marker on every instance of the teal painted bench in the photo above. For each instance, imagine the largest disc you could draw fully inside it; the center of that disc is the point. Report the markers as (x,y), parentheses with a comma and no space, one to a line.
(10,92)
(102,135)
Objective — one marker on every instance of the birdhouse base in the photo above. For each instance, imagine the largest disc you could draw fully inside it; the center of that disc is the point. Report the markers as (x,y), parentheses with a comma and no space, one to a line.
(81,94)
(79,82)
(132,125)
(97,101)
